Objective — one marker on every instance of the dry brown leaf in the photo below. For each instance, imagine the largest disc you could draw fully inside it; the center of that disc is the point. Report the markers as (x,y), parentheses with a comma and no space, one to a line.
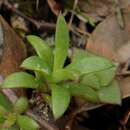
(95,9)
(124,3)
(109,40)
(98,9)
(13,50)
(123,54)
(54,6)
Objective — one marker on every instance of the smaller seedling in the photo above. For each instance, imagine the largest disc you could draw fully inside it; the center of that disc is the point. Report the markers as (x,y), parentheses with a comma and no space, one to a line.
(87,76)
(12,118)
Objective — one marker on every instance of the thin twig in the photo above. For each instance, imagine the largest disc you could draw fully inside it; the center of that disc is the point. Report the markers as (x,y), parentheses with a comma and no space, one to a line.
(119,14)
(37,5)
(72,13)
(125,71)
(124,120)
(44,124)
(10,95)
(39,25)
(81,31)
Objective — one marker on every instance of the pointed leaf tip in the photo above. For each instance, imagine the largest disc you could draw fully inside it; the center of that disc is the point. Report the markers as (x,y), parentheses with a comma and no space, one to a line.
(41,48)
(61,43)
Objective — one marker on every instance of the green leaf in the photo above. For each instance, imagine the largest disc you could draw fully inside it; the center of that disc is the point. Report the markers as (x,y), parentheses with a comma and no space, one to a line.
(79,54)
(2,120)
(90,64)
(106,76)
(43,78)
(61,43)
(45,81)
(21,105)
(84,91)
(60,100)
(10,121)
(4,102)
(14,127)
(99,79)
(40,76)
(42,49)
(26,123)
(110,94)
(91,80)
(3,111)
(20,80)
(37,64)
(65,74)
